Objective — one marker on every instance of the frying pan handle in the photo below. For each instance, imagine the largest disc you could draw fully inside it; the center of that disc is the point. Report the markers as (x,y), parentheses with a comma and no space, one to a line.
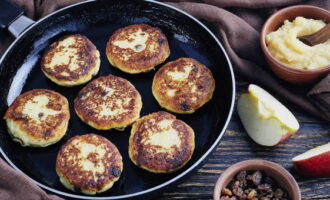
(11,17)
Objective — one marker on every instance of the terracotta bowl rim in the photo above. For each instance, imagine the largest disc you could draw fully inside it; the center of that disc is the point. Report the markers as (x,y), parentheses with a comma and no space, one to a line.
(270,56)
(235,168)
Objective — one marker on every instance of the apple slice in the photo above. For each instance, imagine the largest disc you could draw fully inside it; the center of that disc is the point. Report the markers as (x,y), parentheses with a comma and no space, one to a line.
(314,162)
(266,120)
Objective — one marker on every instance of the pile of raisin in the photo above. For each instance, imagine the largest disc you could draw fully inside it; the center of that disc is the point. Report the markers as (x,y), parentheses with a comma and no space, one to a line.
(253,185)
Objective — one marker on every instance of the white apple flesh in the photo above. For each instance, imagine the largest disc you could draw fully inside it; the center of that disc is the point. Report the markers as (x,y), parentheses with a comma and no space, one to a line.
(315,162)
(266,120)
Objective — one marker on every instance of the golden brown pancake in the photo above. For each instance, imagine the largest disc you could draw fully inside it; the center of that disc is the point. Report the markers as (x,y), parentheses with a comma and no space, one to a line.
(38,118)
(89,164)
(183,85)
(160,143)
(108,102)
(70,61)
(137,48)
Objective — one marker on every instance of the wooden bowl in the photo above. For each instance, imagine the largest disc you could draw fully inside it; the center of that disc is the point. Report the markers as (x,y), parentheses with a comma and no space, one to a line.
(281,175)
(273,23)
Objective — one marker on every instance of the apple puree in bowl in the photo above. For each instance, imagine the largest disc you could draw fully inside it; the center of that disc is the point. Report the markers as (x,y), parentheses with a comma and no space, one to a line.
(284,45)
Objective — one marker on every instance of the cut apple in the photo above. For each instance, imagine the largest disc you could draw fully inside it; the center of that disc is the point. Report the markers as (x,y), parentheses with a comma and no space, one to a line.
(315,162)
(266,120)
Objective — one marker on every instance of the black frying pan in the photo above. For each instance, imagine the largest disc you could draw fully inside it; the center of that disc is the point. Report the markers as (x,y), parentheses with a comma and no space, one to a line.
(20,72)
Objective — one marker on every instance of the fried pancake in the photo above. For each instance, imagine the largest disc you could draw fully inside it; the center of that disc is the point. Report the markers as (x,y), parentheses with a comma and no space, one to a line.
(72,60)
(137,48)
(108,102)
(160,143)
(38,118)
(89,164)
(182,86)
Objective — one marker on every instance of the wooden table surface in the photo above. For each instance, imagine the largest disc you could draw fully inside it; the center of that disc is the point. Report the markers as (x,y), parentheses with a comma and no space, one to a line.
(236,146)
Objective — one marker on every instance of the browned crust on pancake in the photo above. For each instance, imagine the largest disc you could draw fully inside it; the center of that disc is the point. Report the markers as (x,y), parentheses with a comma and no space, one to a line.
(87,103)
(83,179)
(139,61)
(87,59)
(52,126)
(145,155)
(182,101)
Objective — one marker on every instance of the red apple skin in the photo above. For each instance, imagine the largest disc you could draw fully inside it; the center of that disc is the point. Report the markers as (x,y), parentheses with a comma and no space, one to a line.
(316,166)
(285,137)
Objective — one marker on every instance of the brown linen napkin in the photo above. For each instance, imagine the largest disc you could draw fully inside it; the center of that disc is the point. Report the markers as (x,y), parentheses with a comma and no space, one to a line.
(16,186)
(238,29)
(320,93)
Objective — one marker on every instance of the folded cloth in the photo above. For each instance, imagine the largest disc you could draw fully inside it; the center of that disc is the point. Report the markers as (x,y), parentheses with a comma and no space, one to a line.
(237,24)
(16,186)
(320,93)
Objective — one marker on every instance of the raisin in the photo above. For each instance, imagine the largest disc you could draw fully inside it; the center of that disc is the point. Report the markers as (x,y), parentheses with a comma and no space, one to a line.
(234,185)
(226,191)
(225,198)
(241,176)
(278,193)
(256,177)
(185,107)
(265,187)
(161,40)
(104,93)
(270,194)
(252,194)
(115,172)
(40,114)
(238,191)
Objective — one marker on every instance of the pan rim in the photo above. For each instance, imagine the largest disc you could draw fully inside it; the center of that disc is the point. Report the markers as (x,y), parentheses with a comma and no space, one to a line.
(182,174)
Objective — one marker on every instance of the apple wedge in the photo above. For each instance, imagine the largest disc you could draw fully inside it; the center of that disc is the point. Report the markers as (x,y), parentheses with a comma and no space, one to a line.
(266,120)
(314,162)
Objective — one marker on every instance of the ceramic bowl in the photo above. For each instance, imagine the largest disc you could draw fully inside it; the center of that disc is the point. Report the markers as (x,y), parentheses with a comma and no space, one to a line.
(281,175)
(273,23)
